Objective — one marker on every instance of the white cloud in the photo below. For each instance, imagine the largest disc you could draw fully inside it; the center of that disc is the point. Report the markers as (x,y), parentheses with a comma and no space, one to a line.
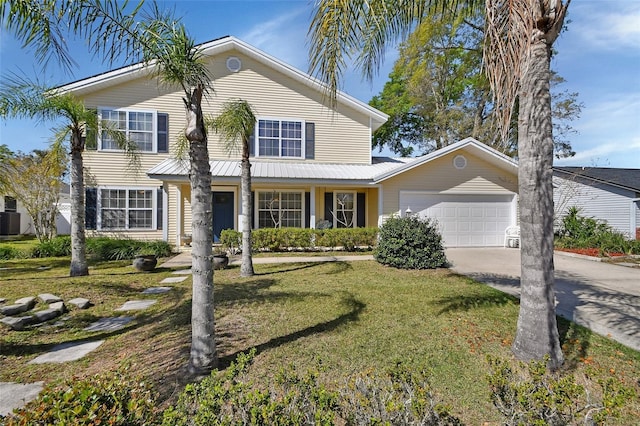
(608,153)
(609,25)
(283,37)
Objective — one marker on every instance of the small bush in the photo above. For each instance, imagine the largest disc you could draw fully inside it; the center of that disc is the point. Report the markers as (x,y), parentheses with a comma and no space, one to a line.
(231,240)
(110,399)
(410,243)
(227,398)
(8,252)
(56,247)
(533,396)
(105,248)
(577,231)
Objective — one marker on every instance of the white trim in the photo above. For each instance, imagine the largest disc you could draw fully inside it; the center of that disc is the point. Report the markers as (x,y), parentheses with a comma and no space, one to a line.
(381,217)
(312,207)
(179,216)
(165,211)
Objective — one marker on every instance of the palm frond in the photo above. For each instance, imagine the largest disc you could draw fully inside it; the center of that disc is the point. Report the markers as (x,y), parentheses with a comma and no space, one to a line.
(36,23)
(235,124)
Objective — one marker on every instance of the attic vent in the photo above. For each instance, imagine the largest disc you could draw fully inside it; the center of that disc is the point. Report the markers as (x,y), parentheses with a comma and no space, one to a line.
(233,64)
(459,162)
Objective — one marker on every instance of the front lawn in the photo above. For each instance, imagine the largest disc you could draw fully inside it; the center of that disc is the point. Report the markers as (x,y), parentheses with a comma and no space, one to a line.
(346,317)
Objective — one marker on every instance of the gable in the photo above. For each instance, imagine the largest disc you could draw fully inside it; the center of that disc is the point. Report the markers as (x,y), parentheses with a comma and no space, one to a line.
(275,90)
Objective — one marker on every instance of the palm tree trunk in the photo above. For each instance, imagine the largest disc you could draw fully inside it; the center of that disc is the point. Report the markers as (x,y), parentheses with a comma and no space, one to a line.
(79,265)
(246,269)
(537,331)
(203,357)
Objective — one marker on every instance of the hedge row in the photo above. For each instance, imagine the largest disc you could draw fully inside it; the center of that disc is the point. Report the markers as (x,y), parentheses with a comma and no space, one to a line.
(285,239)
(98,248)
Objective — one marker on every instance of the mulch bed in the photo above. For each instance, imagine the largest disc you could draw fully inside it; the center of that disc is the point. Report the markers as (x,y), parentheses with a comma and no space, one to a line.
(594,252)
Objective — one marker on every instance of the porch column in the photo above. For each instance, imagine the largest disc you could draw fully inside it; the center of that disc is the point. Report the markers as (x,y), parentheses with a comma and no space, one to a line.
(312,207)
(380,206)
(165,211)
(179,223)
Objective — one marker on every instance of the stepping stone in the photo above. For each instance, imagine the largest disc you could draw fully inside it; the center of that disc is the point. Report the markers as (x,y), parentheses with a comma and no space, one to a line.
(173,280)
(17,323)
(16,395)
(156,290)
(80,302)
(136,305)
(49,298)
(26,301)
(67,352)
(55,310)
(2,300)
(16,309)
(109,324)
(43,268)
(182,272)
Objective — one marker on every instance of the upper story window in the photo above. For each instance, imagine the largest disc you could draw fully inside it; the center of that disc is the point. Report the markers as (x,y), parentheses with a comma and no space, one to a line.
(147,129)
(280,138)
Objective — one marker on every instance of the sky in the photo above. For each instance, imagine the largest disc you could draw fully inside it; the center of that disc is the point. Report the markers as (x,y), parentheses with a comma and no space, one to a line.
(599,57)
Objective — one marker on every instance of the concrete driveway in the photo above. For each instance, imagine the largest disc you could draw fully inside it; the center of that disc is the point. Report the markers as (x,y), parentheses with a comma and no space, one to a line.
(600,296)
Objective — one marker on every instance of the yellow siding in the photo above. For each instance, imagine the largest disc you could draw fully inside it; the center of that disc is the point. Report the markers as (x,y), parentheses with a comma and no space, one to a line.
(440,176)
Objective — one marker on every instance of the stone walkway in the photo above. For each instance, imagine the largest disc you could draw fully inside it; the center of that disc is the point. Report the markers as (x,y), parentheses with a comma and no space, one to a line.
(17,395)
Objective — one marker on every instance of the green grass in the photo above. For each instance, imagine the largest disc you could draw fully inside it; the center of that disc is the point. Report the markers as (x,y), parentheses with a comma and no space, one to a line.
(350,317)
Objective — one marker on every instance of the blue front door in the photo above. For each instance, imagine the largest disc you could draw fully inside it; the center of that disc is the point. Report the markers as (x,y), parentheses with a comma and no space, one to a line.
(222,213)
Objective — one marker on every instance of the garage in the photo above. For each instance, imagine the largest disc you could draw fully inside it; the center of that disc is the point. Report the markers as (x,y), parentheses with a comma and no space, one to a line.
(464,220)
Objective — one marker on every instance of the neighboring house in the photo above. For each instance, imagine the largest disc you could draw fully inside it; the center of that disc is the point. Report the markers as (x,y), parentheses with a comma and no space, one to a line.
(15,220)
(607,194)
(309,163)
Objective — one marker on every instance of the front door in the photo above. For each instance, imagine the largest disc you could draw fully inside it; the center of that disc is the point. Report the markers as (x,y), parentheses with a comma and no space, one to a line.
(222,213)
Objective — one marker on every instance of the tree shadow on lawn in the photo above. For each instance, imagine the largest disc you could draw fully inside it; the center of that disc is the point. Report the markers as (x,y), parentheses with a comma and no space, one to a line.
(290,267)
(355,309)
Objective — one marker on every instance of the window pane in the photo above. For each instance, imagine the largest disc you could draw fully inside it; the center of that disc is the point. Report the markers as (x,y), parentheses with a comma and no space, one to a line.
(115,121)
(345,210)
(113,219)
(140,219)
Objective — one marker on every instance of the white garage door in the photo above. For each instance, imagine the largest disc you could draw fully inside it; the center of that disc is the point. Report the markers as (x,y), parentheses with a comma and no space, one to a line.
(464,220)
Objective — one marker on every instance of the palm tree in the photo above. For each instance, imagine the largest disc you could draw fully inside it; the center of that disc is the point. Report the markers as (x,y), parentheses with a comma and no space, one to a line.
(176,61)
(20,98)
(236,122)
(165,47)
(519,40)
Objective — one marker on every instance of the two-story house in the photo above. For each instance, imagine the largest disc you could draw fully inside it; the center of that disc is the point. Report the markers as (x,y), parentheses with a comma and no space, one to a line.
(310,163)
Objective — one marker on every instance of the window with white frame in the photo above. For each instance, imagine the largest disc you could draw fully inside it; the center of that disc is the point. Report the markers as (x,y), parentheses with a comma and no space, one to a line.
(344,210)
(126,208)
(137,126)
(280,209)
(280,138)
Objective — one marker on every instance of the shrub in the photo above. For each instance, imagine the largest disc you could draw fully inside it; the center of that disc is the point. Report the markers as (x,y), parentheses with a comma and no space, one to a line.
(231,240)
(400,397)
(56,247)
(105,248)
(577,231)
(533,396)
(8,252)
(111,399)
(410,243)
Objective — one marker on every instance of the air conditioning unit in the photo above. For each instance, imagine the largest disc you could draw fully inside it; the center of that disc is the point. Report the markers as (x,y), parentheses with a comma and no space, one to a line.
(9,223)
